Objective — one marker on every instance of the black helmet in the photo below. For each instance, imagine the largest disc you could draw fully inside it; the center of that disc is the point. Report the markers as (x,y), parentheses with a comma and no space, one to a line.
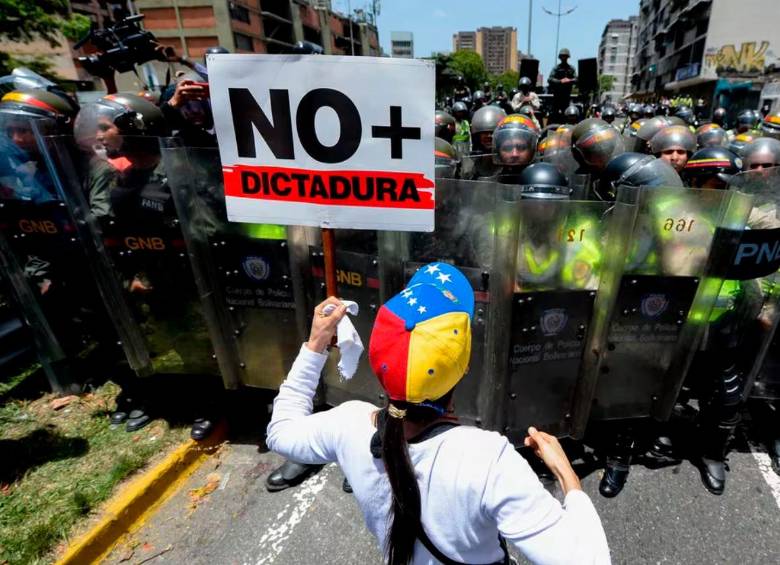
(479,95)
(131,114)
(608,114)
(460,108)
(571,114)
(719,116)
(36,103)
(711,162)
(649,128)
(686,114)
(524,82)
(648,111)
(636,169)
(445,125)
(460,81)
(486,85)
(771,125)
(763,153)
(747,119)
(673,137)
(445,159)
(543,181)
(711,135)
(594,142)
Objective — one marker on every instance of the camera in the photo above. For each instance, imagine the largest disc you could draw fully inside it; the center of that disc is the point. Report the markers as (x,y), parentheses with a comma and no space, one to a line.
(120,47)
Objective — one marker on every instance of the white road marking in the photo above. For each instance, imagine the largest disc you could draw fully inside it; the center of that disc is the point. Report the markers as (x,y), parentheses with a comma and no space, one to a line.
(272,541)
(765,466)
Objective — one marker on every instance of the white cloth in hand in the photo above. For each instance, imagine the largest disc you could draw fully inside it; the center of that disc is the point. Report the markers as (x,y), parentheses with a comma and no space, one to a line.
(348,341)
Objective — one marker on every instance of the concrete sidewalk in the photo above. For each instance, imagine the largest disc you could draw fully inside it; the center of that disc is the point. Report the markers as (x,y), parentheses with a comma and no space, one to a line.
(663,516)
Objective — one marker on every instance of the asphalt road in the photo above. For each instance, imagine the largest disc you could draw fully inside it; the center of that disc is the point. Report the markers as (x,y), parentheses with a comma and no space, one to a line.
(663,516)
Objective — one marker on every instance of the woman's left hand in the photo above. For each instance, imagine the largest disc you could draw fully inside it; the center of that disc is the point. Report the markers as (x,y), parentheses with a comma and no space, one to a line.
(323,326)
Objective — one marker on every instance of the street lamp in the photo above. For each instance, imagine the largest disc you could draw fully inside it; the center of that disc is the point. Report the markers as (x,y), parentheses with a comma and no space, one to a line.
(559,14)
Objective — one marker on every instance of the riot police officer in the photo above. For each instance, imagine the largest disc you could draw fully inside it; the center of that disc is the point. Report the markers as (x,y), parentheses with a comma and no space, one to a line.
(771,125)
(686,114)
(480,162)
(594,142)
(525,97)
(608,114)
(738,143)
(461,89)
(571,115)
(719,116)
(462,138)
(711,167)
(445,159)
(674,144)
(711,135)
(514,147)
(445,125)
(746,121)
(562,78)
(762,153)
(648,129)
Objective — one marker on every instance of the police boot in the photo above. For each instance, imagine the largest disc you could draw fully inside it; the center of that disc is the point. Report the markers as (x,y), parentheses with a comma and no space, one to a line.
(615,475)
(289,475)
(713,461)
(662,453)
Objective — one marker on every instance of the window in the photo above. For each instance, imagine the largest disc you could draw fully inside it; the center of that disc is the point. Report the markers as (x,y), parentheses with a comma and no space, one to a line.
(243,42)
(614,38)
(239,13)
(613,58)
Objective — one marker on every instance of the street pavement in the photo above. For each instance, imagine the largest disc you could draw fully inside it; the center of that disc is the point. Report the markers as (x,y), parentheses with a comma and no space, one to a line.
(223,515)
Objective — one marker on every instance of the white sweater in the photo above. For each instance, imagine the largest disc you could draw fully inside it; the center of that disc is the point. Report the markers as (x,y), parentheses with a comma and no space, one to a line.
(473,484)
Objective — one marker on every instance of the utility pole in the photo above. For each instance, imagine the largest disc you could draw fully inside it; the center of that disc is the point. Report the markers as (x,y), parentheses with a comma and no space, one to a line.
(349,19)
(559,14)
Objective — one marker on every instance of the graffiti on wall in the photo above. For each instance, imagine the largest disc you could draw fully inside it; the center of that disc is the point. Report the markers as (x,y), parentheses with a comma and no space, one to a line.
(752,56)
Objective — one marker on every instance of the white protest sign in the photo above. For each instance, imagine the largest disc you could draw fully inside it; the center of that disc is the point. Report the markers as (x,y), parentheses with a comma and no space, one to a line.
(316,140)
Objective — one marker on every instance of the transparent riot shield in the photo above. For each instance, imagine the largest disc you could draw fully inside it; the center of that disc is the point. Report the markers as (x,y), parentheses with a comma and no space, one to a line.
(249,287)
(557,254)
(478,167)
(557,151)
(122,205)
(655,296)
(46,262)
(465,224)
(757,309)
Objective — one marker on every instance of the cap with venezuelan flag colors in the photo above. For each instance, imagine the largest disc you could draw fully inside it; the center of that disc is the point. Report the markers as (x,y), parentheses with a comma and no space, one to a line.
(421,342)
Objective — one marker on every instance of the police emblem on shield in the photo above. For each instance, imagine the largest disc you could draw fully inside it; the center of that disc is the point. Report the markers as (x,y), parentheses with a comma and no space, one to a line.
(553,321)
(257,268)
(653,305)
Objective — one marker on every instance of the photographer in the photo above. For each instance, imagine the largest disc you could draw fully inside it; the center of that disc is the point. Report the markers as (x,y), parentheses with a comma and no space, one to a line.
(187,109)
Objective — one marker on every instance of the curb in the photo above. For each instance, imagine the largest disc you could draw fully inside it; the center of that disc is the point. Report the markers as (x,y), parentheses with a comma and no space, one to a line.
(127,510)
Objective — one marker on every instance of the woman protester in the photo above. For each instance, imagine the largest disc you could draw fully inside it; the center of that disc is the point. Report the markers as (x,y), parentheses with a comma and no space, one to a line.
(432,491)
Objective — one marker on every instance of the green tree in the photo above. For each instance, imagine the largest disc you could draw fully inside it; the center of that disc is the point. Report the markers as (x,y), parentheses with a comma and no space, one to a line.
(508,80)
(470,65)
(606,82)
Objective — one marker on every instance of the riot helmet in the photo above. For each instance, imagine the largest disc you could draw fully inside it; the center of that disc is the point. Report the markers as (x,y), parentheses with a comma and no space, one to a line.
(484,121)
(648,129)
(445,125)
(763,153)
(648,111)
(520,120)
(711,167)
(711,135)
(746,119)
(685,114)
(719,116)
(608,114)
(514,145)
(460,111)
(771,125)
(445,159)
(594,142)
(634,111)
(571,115)
(524,84)
(636,169)
(673,144)
(543,181)
(55,112)
(103,124)
(479,96)
(741,140)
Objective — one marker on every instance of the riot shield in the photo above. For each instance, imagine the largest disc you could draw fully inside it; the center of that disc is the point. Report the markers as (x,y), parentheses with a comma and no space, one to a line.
(478,167)
(465,223)
(758,283)
(557,253)
(655,296)
(249,288)
(46,262)
(122,206)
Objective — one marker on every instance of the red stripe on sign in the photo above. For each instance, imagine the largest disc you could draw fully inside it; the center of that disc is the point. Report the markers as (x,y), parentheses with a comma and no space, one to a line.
(380,189)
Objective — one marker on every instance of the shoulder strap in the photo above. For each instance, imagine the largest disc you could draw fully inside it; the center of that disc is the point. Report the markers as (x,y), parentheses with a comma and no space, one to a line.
(433,550)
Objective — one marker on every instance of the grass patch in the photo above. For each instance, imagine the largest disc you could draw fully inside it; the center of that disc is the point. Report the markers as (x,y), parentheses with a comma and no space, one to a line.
(59,465)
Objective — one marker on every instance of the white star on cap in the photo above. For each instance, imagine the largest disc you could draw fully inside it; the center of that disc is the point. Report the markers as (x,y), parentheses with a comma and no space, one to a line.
(406,293)
(412,301)
(422,309)
(432,269)
(444,278)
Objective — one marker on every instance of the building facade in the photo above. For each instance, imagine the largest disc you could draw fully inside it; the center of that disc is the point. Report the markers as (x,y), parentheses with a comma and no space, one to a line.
(402,44)
(616,56)
(721,50)
(496,45)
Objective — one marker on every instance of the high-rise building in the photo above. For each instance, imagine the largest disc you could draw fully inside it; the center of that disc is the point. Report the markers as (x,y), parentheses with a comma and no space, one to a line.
(616,55)
(402,44)
(496,45)
(705,49)
(464,41)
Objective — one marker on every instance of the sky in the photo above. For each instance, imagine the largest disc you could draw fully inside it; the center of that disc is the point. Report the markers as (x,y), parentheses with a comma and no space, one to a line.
(434,21)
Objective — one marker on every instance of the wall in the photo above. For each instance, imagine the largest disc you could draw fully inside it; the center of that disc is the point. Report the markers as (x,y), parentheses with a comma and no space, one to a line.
(743,37)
